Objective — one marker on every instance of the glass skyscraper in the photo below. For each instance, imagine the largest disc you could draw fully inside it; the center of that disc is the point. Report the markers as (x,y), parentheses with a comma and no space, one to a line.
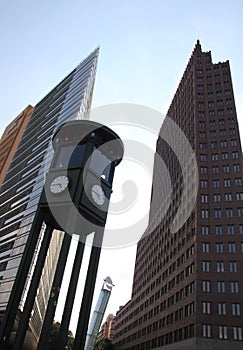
(20,192)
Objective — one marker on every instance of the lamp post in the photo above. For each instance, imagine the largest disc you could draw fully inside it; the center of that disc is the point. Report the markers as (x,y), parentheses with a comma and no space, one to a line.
(75,199)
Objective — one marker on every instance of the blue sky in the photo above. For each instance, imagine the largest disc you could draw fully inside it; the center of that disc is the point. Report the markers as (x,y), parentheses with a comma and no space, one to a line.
(145,46)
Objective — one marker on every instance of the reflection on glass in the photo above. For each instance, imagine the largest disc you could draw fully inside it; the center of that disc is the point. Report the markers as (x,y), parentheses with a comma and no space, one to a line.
(100,164)
(70,157)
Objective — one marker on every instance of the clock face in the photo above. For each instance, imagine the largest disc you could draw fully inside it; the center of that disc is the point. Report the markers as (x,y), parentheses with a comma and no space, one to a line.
(98,195)
(59,184)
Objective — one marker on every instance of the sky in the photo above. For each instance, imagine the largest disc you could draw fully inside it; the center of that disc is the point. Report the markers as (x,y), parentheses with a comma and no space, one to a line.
(144,48)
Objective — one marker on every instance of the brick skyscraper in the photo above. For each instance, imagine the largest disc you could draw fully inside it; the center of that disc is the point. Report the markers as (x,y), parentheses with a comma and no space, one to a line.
(10,140)
(188,283)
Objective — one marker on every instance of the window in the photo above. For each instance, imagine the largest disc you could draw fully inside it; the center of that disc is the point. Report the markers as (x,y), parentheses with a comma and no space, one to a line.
(231,247)
(202,135)
(239,196)
(222,332)
(221,287)
(221,308)
(227,183)
(229,212)
(203,170)
(206,266)
(223,144)
(226,169)
(203,157)
(213,133)
(224,156)
(215,156)
(217,213)
(230,229)
(241,229)
(228,197)
(240,211)
(204,198)
(222,132)
(236,168)
(233,266)
(231,120)
(216,183)
(235,155)
(232,131)
(201,124)
(205,230)
(218,230)
(233,143)
(234,287)
(220,266)
(206,307)
(216,197)
(202,145)
(219,247)
(204,213)
(214,145)
(212,123)
(235,309)
(206,330)
(215,170)
(237,333)
(206,286)
(238,182)
(205,247)
(221,121)
(204,183)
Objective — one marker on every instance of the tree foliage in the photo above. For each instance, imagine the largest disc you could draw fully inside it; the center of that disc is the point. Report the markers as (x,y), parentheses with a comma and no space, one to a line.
(103,344)
(54,338)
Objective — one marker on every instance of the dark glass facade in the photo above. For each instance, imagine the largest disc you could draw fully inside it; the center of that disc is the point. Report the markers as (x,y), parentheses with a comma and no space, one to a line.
(20,192)
(188,282)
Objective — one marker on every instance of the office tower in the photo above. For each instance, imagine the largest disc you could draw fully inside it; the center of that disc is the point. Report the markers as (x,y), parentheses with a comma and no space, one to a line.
(10,140)
(20,192)
(188,281)
(98,313)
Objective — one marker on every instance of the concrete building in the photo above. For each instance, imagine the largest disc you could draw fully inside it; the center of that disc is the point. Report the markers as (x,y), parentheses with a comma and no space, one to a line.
(108,327)
(21,189)
(188,281)
(10,140)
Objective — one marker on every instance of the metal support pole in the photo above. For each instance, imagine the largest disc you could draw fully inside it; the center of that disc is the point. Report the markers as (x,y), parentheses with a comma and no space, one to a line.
(67,312)
(20,280)
(53,298)
(84,314)
(28,306)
